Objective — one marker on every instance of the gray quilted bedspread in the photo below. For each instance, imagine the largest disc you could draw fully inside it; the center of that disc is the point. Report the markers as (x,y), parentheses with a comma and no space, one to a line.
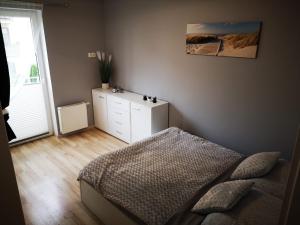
(153,178)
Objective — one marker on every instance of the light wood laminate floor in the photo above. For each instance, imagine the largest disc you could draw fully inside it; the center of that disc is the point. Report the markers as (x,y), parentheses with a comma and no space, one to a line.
(47,170)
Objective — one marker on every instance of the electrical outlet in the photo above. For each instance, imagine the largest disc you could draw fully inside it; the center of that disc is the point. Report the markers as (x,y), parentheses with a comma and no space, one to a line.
(92,55)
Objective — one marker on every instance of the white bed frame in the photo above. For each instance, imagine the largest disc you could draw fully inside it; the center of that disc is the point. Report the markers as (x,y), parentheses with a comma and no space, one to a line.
(108,213)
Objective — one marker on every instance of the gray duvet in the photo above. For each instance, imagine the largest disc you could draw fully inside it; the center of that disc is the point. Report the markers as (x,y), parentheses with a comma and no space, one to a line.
(152,179)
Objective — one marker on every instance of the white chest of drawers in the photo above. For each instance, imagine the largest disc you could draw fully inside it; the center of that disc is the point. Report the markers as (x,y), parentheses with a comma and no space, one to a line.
(126,116)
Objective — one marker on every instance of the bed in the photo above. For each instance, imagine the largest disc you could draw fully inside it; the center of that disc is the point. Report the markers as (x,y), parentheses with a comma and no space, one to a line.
(158,180)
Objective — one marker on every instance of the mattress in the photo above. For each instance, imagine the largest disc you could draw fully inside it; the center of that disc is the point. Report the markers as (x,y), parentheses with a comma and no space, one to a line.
(155,178)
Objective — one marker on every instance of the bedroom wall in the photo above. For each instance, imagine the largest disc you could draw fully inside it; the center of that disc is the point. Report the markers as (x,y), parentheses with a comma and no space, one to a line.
(244,104)
(70,34)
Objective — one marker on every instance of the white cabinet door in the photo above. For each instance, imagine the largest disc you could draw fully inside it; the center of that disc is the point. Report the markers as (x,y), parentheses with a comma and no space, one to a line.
(100,111)
(139,126)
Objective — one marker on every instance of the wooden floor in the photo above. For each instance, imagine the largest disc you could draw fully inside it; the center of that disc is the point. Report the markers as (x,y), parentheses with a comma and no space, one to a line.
(47,170)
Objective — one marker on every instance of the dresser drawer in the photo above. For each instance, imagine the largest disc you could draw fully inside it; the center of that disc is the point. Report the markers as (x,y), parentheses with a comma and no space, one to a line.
(119,118)
(120,130)
(118,103)
(122,116)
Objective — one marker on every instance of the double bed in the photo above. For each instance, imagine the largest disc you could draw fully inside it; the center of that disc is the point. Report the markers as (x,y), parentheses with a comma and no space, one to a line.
(157,181)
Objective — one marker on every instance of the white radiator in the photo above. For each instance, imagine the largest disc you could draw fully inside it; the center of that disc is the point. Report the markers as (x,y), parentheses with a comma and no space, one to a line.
(72,117)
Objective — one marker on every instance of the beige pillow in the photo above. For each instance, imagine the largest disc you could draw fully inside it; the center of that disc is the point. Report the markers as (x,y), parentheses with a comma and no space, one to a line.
(223,196)
(256,165)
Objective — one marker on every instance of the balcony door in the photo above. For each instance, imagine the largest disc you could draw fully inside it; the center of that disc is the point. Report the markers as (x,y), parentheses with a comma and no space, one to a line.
(29,110)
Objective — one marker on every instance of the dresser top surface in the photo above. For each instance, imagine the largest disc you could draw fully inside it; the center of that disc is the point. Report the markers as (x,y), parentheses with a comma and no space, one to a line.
(132,97)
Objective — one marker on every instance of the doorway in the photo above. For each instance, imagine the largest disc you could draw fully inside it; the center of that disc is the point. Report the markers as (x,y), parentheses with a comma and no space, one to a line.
(29,109)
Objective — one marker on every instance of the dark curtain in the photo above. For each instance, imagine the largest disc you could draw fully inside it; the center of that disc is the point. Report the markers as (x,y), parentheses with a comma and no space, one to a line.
(5,86)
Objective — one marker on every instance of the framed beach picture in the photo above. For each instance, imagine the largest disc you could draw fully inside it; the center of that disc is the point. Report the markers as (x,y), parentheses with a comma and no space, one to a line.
(223,39)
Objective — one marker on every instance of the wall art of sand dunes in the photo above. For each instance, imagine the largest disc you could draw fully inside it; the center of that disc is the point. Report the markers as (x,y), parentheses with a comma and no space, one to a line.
(237,44)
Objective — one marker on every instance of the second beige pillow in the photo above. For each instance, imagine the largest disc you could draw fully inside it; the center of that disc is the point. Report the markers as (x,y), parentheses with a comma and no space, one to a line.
(223,196)
(256,165)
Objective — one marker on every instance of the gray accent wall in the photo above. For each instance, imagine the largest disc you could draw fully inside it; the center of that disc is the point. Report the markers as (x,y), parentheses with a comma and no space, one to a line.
(244,104)
(70,34)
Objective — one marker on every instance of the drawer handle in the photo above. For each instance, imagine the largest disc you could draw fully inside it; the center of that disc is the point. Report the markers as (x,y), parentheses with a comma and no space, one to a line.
(137,109)
(119,132)
(118,113)
(119,123)
(101,97)
(119,103)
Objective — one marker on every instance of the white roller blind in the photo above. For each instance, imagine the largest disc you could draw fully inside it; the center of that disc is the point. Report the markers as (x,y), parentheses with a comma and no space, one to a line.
(29,114)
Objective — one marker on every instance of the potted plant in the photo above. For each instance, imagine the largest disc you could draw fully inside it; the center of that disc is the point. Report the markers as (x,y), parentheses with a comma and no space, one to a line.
(105,68)
(34,74)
